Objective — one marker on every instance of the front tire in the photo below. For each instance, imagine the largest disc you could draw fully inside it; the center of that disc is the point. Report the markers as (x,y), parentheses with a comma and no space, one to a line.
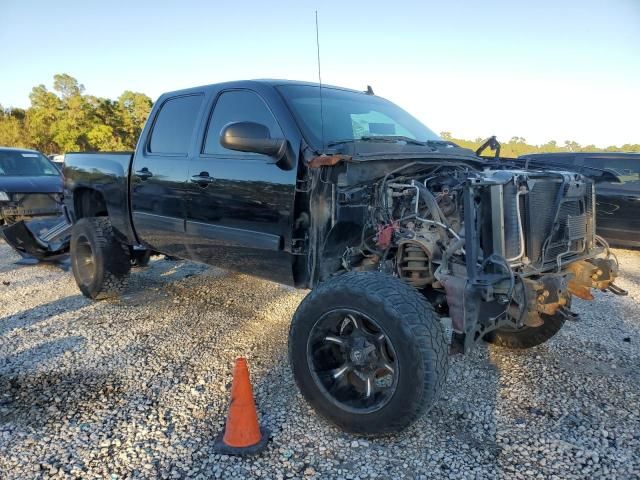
(100,262)
(368,352)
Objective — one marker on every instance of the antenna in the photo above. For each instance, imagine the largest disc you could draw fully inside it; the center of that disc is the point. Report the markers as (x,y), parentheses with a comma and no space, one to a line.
(320,83)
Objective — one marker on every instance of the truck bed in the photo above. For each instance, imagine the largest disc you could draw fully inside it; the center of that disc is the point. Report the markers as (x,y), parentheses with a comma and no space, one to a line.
(107,173)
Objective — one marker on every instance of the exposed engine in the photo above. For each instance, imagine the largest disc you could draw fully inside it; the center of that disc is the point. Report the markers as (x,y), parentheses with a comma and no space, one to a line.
(490,244)
(414,221)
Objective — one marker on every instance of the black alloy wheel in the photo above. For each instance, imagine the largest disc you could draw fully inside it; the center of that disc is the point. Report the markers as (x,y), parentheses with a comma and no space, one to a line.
(352,361)
(84,261)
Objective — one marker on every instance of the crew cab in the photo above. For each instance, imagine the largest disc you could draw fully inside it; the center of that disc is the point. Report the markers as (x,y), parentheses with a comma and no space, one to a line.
(412,247)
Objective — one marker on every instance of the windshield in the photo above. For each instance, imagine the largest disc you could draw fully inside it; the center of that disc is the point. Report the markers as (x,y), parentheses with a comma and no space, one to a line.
(350,116)
(25,164)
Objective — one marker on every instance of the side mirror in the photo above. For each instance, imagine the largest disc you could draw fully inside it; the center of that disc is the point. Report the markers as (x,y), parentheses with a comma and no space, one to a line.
(252,137)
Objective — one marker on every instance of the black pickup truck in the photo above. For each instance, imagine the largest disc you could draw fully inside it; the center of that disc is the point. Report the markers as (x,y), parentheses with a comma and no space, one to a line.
(412,246)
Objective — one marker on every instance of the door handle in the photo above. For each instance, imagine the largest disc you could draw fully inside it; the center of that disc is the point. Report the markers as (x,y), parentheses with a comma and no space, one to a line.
(144,173)
(203,179)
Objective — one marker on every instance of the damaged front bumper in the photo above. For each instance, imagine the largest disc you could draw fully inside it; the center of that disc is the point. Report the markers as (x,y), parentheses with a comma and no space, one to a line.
(474,311)
(43,233)
(551,293)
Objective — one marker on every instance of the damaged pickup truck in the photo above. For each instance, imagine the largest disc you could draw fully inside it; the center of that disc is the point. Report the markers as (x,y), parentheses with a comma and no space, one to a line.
(412,246)
(31,218)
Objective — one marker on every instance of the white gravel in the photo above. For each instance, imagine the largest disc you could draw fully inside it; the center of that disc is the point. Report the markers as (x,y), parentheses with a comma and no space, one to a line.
(138,388)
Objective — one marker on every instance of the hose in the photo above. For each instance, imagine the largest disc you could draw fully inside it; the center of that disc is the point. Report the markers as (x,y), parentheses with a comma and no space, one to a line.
(520,229)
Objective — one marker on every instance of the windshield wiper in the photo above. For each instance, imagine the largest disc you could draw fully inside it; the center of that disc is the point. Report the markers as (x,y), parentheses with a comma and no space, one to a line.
(340,142)
(379,138)
(392,139)
(440,143)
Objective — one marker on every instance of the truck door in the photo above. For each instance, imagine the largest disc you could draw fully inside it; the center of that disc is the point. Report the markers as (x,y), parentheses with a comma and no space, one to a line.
(160,173)
(240,204)
(618,204)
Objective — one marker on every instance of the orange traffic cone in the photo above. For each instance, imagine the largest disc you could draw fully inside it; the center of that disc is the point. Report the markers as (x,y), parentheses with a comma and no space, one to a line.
(242,434)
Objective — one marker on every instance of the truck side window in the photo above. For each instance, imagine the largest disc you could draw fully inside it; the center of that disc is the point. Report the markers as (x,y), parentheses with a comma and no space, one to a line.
(238,106)
(627,169)
(174,125)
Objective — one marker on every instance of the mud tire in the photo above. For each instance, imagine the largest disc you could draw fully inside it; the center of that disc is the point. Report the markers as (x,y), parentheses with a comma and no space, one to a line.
(410,324)
(99,260)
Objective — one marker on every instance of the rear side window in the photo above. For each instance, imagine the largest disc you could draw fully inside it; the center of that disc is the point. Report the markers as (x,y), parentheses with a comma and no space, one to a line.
(622,166)
(174,125)
(238,106)
(627,169)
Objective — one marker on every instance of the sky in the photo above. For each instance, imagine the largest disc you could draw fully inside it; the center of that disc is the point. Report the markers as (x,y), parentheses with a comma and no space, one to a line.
(543,70)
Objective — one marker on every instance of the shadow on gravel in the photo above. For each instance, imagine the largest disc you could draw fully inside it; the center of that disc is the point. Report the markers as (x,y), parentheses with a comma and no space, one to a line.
(11,267)
(63,263)
(587,366)
(28,398)
(43,352)
(36,400)
(629,272)
(29,262)
(32,316)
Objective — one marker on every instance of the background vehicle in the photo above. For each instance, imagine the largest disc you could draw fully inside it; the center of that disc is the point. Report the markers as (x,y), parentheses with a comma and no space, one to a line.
(31,203)
(58,160)
(408,241)
(618,204)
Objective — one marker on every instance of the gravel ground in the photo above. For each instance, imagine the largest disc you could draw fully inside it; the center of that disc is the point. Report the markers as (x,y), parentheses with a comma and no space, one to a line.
(138,388)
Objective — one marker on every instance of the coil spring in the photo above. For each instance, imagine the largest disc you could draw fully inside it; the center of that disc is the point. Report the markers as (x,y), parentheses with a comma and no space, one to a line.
(413,265)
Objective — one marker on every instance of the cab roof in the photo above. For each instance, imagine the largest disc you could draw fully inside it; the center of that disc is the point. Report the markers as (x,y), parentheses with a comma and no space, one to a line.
(270,82)
(17,149)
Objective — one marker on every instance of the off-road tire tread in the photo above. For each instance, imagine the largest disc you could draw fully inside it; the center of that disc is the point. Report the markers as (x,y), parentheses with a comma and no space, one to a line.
(417,318)
(117,262)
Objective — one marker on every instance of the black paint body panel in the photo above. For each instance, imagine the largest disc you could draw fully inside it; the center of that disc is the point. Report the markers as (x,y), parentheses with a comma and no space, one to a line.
(241,221)
(617,204)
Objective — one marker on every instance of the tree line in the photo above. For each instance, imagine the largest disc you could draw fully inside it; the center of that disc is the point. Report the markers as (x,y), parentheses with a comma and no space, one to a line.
(517,146)
(66,120)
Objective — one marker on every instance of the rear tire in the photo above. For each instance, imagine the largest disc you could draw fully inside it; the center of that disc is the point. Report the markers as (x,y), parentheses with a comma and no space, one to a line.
(404,348)
(526,337)
(100,262)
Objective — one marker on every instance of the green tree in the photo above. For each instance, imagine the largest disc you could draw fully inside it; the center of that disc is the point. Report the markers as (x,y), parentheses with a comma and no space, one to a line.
(102,137)
(11,127)
(75,117)
(133,110)
(67,86)
(39,118)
